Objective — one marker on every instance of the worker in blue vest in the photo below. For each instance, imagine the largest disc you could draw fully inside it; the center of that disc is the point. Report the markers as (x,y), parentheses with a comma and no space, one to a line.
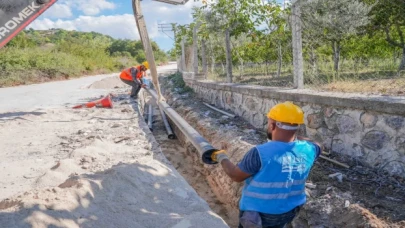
(274,172)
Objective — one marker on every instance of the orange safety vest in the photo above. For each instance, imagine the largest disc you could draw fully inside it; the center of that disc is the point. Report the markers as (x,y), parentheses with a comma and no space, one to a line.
(126,74)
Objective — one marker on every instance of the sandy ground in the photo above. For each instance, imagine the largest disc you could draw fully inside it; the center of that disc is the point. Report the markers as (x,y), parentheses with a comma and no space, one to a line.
(91,168)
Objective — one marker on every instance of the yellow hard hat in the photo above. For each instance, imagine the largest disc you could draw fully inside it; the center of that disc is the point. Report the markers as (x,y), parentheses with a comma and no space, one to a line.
(287,112)
(146,65)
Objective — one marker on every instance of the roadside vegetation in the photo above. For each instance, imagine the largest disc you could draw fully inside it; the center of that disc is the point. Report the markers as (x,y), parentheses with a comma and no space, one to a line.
(39,56)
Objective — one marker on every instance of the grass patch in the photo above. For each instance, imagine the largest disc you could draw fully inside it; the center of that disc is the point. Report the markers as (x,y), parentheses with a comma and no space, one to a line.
(394,87)
(41,56)
(179,84)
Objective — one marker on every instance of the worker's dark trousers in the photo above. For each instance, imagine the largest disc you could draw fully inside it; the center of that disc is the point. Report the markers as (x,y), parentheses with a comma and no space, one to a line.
(276,221)
(135,87)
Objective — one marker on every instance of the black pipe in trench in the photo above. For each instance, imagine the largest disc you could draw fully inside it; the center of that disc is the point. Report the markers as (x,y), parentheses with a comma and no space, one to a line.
(169,131)
(204,148)
(150,116)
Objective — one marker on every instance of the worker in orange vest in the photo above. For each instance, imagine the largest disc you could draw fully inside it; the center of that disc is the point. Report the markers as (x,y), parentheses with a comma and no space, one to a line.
(133,76)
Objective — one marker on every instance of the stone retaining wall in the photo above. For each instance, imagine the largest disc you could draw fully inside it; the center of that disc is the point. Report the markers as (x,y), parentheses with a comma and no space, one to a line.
(370,129)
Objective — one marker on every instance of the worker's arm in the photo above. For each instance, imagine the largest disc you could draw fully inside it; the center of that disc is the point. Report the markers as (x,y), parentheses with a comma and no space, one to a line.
(249,165)
(134,72)
(312,141)
(319,147)
(234,171)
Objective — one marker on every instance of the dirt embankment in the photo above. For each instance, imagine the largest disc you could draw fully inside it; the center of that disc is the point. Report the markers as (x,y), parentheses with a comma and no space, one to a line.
(362,198)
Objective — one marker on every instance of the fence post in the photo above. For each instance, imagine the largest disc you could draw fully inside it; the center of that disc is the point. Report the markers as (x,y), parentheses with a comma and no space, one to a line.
(228,56)
(297,45)
(183,56)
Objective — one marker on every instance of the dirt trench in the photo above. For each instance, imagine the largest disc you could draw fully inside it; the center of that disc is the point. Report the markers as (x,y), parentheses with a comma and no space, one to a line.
(182,160)
(364,197)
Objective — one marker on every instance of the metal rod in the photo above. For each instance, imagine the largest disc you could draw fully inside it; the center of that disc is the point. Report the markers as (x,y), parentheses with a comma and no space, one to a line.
(219,110)
(150,116)
(334,162)
(190,133)
(169,131)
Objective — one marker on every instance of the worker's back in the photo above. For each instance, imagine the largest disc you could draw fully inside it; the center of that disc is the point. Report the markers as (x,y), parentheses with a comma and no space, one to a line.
(279,186)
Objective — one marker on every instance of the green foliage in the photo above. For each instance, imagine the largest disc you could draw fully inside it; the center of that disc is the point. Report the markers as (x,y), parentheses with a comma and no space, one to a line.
(36,56)
(341,39)
(179,83)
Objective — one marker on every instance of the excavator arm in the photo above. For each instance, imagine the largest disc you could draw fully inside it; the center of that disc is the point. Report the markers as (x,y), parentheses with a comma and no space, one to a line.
(15,15)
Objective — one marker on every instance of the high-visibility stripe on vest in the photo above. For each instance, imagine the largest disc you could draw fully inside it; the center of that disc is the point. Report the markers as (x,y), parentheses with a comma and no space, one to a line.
(126,74)
(279,186)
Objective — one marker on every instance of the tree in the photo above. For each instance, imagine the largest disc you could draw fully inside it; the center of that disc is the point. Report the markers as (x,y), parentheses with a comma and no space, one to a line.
(334,21)
(276,33)
(233,18)
(389,17)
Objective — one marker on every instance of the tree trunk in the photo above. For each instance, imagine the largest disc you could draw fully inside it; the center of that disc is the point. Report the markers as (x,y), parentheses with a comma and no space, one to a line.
(336,57)
(212,64)
(313,62)
(212,58)
(402,64)
(228,56)
(204,59)
(195,49)
(280,60)
(242,68)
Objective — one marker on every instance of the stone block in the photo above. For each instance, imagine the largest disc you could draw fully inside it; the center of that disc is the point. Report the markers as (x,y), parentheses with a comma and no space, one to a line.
(346,124)
(368,120)
(237,98)
(258,120)
(375,140)
(315,120)
(395,122)
(400,144)
(331,122)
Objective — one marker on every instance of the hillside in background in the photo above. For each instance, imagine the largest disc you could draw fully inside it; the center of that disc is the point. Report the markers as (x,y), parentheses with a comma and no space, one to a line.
(38,56)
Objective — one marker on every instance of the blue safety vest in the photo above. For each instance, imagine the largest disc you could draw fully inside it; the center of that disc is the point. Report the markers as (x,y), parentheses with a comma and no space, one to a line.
(279,186)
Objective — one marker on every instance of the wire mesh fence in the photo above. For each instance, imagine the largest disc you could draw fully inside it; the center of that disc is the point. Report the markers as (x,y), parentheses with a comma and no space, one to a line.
(347,46)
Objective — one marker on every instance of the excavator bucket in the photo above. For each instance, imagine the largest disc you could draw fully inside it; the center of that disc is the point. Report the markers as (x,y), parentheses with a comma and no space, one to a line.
(15,15)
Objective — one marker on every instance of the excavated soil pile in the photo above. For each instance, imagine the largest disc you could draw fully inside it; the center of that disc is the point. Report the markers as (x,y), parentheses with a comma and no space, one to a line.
(337,197)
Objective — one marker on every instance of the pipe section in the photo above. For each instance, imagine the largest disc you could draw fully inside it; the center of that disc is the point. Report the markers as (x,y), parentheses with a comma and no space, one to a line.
(219,110)
(150,116)
(169,131)
(204,148)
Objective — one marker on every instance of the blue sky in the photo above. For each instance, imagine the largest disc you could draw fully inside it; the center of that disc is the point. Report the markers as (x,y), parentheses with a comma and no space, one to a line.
(114,18)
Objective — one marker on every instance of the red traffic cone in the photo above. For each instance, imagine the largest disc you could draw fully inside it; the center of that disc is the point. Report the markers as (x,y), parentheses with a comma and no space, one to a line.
(105,102)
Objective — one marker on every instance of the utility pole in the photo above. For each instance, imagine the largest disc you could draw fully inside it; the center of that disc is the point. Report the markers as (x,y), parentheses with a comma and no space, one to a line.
(167,28)
(164,28)
(183,55)
(143,34)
